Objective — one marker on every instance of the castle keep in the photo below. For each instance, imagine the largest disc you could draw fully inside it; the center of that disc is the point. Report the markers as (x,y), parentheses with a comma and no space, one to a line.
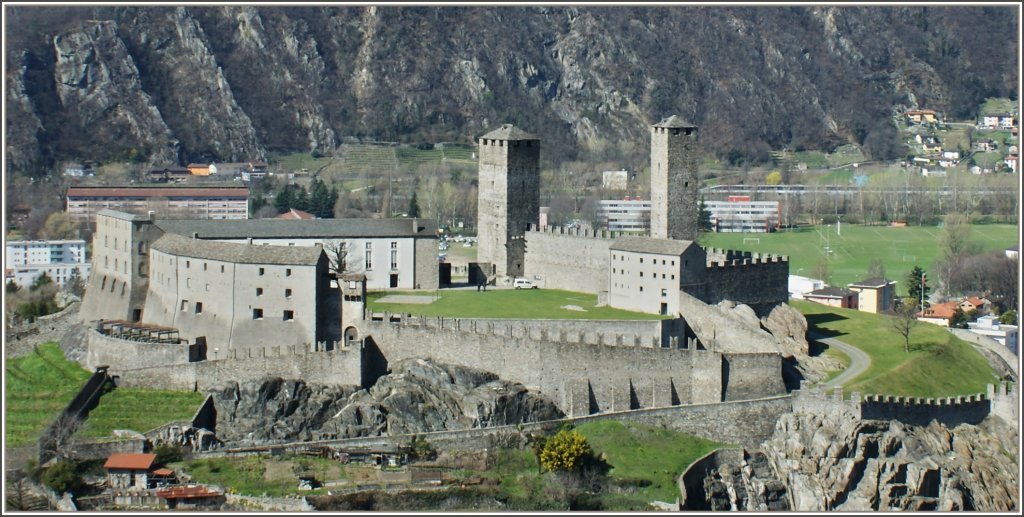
(674,180)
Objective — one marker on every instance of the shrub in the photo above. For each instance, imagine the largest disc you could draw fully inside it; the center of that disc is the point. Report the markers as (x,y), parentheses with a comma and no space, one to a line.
(62,477)
(565,451)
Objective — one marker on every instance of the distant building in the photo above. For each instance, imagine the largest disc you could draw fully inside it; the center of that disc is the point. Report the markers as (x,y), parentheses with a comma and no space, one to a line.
(295,213)
(938,314)
(169,202)
(740,214)
(800,285)
(833,297)
(25,261)
(198,169)
(989,326)
(128,470)
(985,145)
(874,294)
(1012,252)
(615,180)
(167,174)
(627,215)
(646,274)
(919,116)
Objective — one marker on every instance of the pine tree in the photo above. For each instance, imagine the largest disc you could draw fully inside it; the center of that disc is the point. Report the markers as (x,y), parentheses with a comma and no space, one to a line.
(414,206)
(917,281)
(283,201)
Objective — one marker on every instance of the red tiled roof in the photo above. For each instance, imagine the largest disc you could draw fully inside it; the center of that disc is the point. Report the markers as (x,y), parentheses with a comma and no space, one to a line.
(241,192)
(187,492)
(975,301)
(296,214)
(128,461)
(163,472)
(940,310)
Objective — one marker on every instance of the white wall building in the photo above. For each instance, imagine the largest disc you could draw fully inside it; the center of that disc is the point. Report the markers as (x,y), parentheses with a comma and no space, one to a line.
(25,261)
(989,326)
(801,285)
(627,215)
(740,214)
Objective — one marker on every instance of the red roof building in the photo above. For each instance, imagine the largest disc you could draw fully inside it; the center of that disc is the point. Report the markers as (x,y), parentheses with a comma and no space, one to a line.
(129,470)
(295,213)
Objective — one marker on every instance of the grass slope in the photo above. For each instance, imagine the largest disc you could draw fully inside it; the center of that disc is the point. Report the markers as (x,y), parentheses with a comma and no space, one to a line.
(900,249)
(40,385)
(507,303)
(938,365)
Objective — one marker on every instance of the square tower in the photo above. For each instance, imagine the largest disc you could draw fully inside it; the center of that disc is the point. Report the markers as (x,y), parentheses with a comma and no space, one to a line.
(508,198)
(674,209)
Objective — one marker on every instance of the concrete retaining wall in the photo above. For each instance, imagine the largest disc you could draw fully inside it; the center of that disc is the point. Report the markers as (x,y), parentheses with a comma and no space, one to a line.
(691,482)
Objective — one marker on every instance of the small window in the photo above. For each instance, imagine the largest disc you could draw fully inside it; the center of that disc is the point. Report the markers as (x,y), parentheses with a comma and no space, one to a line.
(184,306)
(672,277)
(259,291)
(641,289)
(188,263)
(287,293)
(222,268)
(673,263)
(641,260)
(664,292)
(641,274)
(204,266)
(289,315)
(257,314)
(262,271)
(288,272)
(199,307)
(207,287)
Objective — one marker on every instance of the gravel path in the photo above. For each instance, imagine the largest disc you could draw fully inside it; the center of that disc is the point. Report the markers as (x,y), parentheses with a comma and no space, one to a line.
(859,361)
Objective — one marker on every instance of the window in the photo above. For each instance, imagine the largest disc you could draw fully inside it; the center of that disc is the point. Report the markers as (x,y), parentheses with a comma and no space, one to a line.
(641,260)
(207,287)
(641,289)
(199,307)
(641,274)
(287,293)
(369,257)
(188,263)
(257,314)
(222,268)
(262,271)
(289,315)
(184,306)
(664,292)
(204,266)
(259,291)
(288,272)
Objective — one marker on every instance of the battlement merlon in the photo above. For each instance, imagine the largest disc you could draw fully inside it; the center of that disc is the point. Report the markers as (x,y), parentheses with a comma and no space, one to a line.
(575,232)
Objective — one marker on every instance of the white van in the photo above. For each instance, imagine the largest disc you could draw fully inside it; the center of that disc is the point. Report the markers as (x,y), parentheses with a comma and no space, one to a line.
(522,283)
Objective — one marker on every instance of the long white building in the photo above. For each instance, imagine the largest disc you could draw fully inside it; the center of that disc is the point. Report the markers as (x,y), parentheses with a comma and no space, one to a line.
(740,214)
(626,215)
(25,261)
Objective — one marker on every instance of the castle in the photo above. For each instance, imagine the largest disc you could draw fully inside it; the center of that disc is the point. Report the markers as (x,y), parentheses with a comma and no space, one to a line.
(244,310)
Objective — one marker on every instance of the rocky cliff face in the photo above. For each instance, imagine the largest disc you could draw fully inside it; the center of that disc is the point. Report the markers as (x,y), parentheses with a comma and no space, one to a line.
(226,83)
(418,396)
(839,463)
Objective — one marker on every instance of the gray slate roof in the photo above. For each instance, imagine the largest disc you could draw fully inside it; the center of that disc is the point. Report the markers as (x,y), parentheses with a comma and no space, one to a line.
(509,132)
(830,292)
(238,253)
(124,216)
(674,121)
(297,228)
(651,245)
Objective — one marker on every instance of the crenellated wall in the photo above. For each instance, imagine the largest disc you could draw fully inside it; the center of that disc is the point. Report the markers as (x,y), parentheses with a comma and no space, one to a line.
(756,280)
(568,259)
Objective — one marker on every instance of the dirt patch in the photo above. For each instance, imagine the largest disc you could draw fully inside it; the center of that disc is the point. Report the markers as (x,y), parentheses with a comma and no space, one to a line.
(406,298)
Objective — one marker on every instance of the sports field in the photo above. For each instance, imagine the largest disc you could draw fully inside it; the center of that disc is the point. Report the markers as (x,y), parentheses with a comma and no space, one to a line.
(850,248)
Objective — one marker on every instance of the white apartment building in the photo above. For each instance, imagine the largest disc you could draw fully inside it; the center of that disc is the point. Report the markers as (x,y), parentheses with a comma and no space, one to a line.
(740,214)
(626,215)
(25,261)
(989,326)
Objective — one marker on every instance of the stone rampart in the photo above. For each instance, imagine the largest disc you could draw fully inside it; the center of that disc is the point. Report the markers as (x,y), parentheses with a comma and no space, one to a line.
(568,259)
(122,354)
(760,281)
(748,376)
(950,411)
(691,482)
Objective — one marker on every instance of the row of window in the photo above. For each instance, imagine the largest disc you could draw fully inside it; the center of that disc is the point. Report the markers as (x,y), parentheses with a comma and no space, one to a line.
(653,275)
(368,262)
(622,258)
(664,292)
(287,315)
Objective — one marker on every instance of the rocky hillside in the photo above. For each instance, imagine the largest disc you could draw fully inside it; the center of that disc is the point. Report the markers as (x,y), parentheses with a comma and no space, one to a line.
(417,396)
(834,463)
(181,84)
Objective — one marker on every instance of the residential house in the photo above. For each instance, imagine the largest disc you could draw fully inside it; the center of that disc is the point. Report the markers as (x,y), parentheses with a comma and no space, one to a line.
(801,285)
(254,171)
(938,314)
(933,172)
(985,145)
(946,163)
(950,154)
(1012,252)
(874,294)
(166,174)
(295,213)
(989,326)
(25,261)
(922,116)
(198,169)
(931,144)
(989,121)
(973,303)
(1011,162)
(833,297)
(129,470)
(1007,121)
(191,497)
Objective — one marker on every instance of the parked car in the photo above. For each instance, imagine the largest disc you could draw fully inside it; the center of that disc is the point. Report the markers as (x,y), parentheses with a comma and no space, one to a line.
(522,283)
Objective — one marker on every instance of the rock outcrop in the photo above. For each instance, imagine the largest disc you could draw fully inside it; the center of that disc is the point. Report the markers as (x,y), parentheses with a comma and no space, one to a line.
(418,396)
(837,462)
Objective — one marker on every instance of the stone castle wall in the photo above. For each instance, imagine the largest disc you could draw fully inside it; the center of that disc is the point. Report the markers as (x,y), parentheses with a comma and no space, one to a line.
(571,260)
(758,281)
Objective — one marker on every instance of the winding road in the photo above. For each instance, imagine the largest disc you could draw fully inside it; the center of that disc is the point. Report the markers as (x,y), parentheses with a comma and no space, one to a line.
(859,361)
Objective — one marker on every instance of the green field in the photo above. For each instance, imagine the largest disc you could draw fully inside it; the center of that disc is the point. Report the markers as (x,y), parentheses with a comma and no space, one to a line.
(40,385)
(938,365)
(853,247)
(506,303)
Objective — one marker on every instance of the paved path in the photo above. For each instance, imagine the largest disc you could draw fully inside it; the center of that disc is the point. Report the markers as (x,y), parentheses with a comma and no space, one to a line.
(859,361)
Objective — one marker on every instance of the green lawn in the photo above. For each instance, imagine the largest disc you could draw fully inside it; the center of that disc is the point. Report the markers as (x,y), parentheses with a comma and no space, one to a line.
(642,452)
(853,248)
(40,385)
(506,303)
(938,365)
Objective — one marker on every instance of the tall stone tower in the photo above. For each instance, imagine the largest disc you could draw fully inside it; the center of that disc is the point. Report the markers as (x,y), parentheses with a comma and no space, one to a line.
(508,197)
(674,210)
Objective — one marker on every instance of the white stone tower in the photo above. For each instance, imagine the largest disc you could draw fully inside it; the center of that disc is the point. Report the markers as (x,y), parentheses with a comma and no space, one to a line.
(508,198)
(674,180)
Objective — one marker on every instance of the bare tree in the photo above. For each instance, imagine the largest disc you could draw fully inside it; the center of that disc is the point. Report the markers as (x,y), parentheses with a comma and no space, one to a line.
(903,322)
(340,256)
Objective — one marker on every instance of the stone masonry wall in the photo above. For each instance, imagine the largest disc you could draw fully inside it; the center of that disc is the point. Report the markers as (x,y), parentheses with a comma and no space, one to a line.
(572,260)
(757,281)
(748,376)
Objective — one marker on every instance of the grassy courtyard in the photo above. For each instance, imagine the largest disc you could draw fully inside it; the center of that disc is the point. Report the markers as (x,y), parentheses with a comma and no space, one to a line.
(853,247)
(41,384)
(938,364)
(506,303)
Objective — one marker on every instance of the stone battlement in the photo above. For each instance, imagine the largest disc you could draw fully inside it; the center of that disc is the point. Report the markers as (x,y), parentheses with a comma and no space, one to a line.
(631,334)
(718,257)
(580,232)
